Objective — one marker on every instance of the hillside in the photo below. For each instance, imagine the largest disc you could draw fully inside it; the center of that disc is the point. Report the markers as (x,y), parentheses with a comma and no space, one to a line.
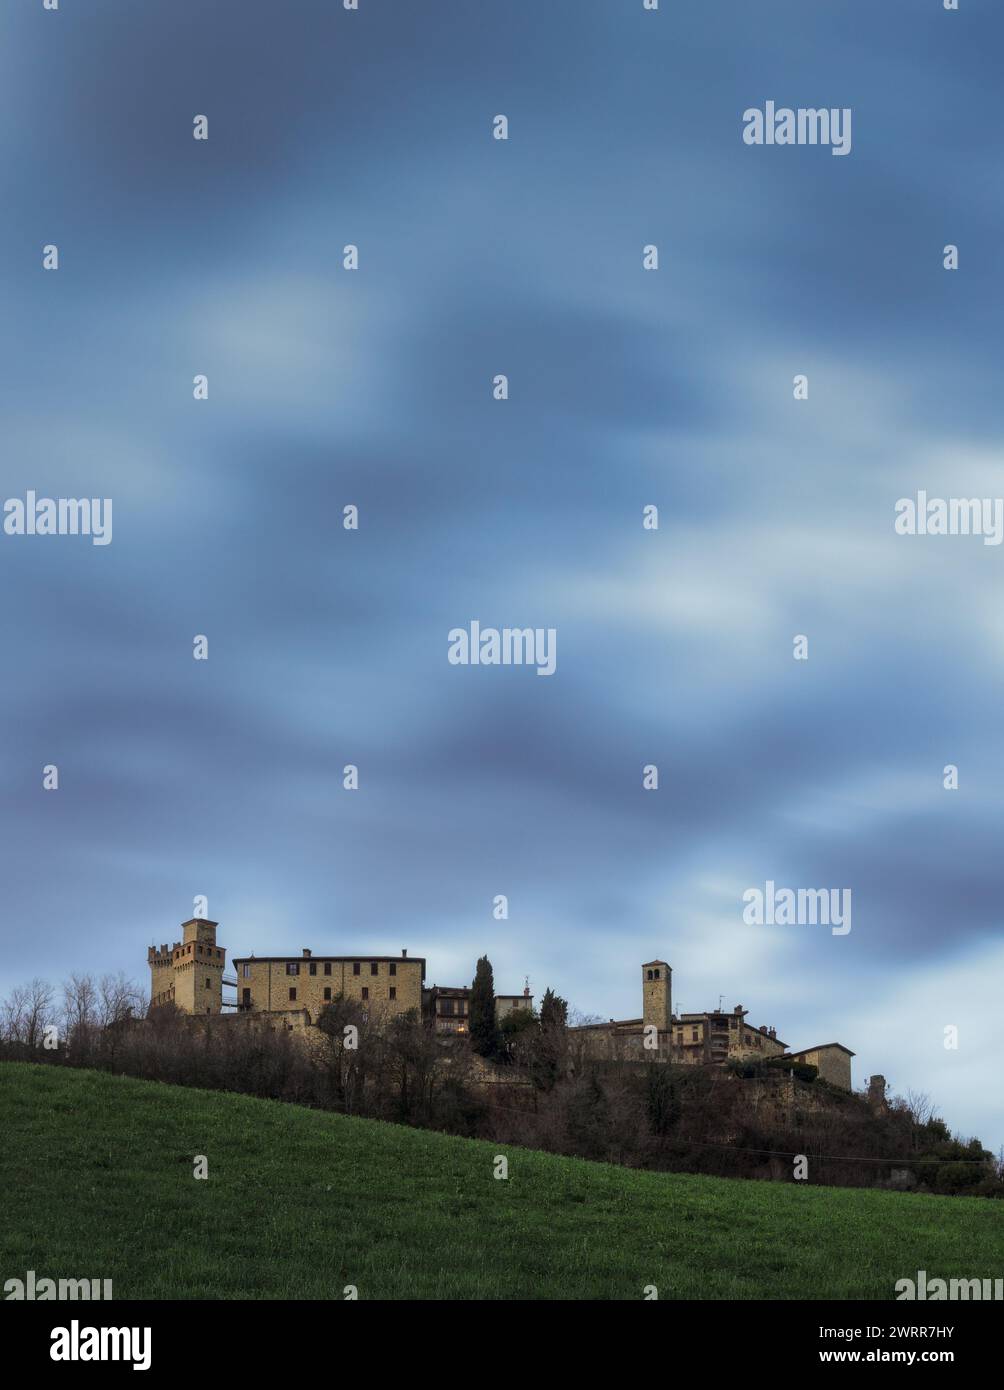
(299,1203)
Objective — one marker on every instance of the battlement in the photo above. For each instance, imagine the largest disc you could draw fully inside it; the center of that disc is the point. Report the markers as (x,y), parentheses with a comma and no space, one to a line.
(189,974)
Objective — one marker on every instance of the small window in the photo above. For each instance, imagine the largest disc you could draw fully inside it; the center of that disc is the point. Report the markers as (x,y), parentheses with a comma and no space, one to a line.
(650,974)
(655,975)
(366,993)
(393,967)
(327,967)
(292,993)
(393,992)
(374,968)
(313,968)
(327,992)
(246,972)
(292,967)
(355,968)
(208,985)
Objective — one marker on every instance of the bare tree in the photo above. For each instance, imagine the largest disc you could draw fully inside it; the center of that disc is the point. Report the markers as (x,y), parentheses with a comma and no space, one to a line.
(118,999)
(27,1013)
(80,1009)
(919,1106)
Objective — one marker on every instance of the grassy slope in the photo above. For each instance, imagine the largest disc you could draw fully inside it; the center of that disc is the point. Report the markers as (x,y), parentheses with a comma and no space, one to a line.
(97,1172)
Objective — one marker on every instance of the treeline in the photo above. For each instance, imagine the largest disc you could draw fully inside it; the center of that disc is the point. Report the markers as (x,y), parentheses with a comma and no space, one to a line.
(524,1080)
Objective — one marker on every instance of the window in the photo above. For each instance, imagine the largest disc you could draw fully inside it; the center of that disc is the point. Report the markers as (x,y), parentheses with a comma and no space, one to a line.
(327,992)
(374,968)
(650,974)
(355,968)
(208,985)
(366,993)
(313,968)
(695,1036)
(655,974)
(246,972)
(393,992)
(327,967)
(292,993)
(292,967)
(247,998)
(393,968)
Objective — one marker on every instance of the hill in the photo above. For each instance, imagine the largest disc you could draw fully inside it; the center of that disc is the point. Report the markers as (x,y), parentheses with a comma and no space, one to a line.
(299,1203)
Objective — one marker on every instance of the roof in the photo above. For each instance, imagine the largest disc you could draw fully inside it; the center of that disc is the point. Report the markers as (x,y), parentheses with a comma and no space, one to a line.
(821,1047)
(314,960)
(608,1023)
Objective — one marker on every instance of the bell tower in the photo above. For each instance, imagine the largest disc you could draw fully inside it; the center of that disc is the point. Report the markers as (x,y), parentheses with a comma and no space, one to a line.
(657,994)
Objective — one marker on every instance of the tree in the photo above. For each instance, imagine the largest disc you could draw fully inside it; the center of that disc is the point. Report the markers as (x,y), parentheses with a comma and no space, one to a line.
(483,1028)
(552,1050)
(553,1012)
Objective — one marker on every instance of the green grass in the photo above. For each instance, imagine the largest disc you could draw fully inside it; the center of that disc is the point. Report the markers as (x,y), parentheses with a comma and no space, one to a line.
(97,1176)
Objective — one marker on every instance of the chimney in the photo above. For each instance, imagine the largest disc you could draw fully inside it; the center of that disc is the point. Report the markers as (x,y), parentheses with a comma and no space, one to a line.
(306,951)
(526,991)
(404,955)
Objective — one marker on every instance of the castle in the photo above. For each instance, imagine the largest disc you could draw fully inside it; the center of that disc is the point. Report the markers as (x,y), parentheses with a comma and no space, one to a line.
(189,975)
(295,989)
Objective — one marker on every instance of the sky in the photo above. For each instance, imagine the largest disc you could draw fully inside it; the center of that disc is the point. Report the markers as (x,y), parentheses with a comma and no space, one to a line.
(628,388)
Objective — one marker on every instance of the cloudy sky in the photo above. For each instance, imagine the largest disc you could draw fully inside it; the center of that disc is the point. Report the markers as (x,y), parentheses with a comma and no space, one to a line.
(628,388)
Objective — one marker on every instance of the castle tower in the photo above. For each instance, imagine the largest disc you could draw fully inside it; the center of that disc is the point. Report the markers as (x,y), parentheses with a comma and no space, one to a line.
(657,994)
(190,973)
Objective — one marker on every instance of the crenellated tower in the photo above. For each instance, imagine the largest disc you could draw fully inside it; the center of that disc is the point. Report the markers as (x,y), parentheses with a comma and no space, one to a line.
(189,974)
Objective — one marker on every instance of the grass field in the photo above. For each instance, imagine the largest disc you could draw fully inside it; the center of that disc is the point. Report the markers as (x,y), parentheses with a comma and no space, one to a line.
(97,1175)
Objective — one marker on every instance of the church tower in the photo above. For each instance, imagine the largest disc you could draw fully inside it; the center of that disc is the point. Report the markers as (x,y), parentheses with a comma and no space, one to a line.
(657,994)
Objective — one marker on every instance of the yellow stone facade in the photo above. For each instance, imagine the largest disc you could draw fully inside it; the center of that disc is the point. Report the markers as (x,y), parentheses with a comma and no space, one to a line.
(189,974)
(276,984)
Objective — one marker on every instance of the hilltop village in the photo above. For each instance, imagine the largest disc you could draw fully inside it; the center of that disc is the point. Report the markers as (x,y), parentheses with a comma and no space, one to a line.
(293,990)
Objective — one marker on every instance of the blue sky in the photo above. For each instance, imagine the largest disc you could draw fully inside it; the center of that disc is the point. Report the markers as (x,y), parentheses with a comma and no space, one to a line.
(627,388)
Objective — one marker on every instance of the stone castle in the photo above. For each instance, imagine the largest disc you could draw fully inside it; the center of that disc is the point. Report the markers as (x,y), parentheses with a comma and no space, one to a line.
(294,990)
(190,976)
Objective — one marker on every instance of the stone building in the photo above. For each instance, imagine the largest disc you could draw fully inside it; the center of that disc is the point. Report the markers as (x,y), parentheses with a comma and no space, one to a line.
(712,1038)
(832,1061)
(279,984)
(189,974)
(448,1006)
